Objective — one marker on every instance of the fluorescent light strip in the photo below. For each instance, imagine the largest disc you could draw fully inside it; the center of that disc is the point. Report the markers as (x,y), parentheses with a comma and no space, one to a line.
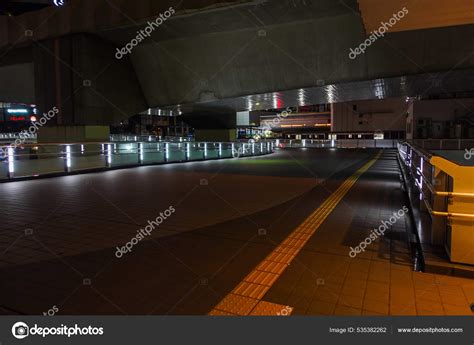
(68,157)
(11,161)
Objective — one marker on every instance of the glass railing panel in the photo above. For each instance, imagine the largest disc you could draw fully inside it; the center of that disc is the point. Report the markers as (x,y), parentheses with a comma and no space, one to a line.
(153,157)
(3,168)
(226,150)
(176,156)
(245,150)
(87,161)
(87,156)
(35,160)
(124,159)
(122,154)
(38,160)
(27,168)
(195,152)
(212,151)
(153,153)
(28,162)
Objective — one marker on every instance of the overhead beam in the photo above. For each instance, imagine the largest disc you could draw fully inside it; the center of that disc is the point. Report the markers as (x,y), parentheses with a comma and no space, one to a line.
(422,14)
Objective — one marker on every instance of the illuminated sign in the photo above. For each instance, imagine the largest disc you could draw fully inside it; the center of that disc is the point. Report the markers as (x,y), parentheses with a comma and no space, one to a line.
(16,118)
(58,2)
(17,111)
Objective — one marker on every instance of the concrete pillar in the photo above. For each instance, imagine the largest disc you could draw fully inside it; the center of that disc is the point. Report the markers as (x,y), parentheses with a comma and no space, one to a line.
(212,124)
(74,134)
(225,135)
(80,75)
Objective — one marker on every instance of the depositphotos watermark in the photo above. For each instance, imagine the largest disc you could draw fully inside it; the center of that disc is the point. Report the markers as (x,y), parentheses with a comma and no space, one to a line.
(144,33)
(52,311)
(380,231)
(32,130)
(21,330)
(269,125)
(380,32)
(468,155)
(142,233)
(286,311)
(276,121)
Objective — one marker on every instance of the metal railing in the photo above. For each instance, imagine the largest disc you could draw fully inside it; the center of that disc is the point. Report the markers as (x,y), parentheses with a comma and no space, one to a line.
(146,138)
(443,144)
(31,138)
(8,136)
(339,143)
(441,192)
(11,137)
(46,159)
(417,164)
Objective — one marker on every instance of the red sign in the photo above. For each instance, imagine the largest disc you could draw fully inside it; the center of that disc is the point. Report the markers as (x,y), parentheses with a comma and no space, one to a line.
(17,118)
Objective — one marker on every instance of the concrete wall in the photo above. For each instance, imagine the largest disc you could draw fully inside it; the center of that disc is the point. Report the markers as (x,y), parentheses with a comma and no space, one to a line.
(224,135)
(202,119)
(188,67)
(369,116)
(410,123)
(236,63)
(17,83)
(74,134)
(443,109)
(86,82)
(90,16)
(225,61)
(290,56)
(431,118)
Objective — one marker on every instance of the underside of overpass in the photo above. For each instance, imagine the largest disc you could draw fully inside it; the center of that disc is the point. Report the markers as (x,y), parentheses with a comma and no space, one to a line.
(246,55)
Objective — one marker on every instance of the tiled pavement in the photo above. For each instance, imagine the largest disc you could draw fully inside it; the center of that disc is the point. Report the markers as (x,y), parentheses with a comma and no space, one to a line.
(247,296)
(213,241)
(84,213)
(78,220)
(324,280)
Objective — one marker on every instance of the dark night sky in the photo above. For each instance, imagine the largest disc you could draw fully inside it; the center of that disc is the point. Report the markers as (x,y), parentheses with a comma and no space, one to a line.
(17,7)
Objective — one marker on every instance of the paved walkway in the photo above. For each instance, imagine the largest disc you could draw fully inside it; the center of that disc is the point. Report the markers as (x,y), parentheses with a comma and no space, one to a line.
(324,280)
(229,216)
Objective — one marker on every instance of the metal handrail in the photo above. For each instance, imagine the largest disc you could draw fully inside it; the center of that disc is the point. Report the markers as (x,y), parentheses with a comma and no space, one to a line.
(446,194)
(422,152)
(425,155)
(112,153)
(440,193)
(443,213)
(446,214)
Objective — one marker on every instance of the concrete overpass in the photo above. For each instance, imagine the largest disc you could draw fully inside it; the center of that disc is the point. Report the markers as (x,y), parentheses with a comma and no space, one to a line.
(220,52)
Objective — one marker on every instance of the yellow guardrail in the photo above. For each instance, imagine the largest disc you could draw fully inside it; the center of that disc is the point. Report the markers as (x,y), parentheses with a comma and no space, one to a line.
(446,191)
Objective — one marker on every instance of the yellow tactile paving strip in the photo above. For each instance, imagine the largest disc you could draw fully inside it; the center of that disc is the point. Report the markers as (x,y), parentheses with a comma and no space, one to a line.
(266,308)
(247,296)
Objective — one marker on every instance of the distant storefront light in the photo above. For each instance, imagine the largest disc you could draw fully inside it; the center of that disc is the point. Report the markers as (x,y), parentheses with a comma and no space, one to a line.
(379,136)
(16,118)
(17,111)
